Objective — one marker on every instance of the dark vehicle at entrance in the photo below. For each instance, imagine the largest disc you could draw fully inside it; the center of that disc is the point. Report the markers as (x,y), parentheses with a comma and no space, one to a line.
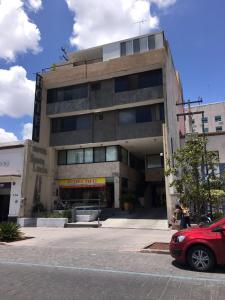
(201,248)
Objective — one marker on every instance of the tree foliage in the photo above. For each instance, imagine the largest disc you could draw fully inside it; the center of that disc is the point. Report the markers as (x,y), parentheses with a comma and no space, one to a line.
(194,174)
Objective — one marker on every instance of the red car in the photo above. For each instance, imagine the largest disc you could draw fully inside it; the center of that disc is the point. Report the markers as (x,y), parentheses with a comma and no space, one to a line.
(200,248)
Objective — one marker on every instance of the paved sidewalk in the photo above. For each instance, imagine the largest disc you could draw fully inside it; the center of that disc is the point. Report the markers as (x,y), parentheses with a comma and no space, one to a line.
(93,238)
(155,224)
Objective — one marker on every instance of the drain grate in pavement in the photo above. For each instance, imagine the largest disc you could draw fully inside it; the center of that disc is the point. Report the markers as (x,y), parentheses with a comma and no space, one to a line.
(158,246)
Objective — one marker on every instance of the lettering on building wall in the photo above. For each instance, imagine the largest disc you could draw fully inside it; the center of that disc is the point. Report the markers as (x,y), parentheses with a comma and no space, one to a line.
(37,108)
(4,163)
(39,164)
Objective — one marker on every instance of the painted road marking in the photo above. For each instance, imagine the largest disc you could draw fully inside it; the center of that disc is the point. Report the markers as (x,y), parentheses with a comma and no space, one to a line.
(178,277)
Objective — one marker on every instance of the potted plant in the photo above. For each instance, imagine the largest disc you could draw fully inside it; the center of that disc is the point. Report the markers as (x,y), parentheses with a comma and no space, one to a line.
(127,201)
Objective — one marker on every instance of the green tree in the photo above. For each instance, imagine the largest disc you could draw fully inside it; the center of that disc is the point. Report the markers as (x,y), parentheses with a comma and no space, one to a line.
(195,177)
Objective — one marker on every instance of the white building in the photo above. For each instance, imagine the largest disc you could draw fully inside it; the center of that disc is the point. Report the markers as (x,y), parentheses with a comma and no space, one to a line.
(213,119)
(213,123)
(24,169)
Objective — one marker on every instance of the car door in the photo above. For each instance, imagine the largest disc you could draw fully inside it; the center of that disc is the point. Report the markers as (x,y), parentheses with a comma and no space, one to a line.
(219,245)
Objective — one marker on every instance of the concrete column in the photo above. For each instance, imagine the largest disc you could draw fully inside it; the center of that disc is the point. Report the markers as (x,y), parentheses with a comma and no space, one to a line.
(116,192)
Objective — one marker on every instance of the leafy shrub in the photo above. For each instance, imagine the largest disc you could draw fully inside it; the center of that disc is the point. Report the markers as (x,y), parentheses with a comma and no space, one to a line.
(217,215)
(10,232)
(56,214)
(67,214)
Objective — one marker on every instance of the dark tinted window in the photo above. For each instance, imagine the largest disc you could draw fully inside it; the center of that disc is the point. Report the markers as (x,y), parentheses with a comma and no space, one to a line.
(136,45)
(55,125)
(150,78)
(151,42)
(121,84)
(123,49)
(133,82)
(95,86)
(67,93)
(68,124)
(127,116)
(51,96)
(138,81)
(161,111)
(83,122)
(62,157)
(143,114)
(99,154)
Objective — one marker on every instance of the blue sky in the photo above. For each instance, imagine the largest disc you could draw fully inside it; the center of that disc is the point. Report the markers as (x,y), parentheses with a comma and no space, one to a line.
(195,30)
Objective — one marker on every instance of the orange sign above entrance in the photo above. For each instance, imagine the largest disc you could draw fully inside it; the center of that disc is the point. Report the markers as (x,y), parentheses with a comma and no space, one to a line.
(82,182)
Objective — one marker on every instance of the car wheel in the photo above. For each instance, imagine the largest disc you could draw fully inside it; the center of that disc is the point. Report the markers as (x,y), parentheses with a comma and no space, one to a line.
(200,258)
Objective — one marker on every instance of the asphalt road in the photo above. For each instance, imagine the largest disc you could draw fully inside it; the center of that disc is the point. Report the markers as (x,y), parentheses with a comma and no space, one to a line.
(83,270)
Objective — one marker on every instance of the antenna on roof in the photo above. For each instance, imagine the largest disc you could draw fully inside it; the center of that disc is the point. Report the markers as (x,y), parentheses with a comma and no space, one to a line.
(140,23)
(64,54)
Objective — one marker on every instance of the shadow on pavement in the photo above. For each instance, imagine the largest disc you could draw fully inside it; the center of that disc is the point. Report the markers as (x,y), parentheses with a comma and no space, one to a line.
(217,269)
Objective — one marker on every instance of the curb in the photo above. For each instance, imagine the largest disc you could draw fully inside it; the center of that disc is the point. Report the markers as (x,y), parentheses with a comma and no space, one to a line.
(155,251)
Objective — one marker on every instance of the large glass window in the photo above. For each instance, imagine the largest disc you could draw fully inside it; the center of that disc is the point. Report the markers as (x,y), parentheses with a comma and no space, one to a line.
(123,49)
(129,47)
(55,125)
(79,156)
(99,154)
(67,93)
(124,155)
(143,114)
(127,116)
(121,84)
(138,81)
(71,157)
(68,124)
(154,161)
(136,45)
(83,122)
(150,79)
(144,44)
(62,157)
(88,155)
(151,42)
(111,153)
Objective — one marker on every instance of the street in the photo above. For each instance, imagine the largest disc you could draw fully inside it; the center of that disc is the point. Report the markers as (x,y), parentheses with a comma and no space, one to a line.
(99,264)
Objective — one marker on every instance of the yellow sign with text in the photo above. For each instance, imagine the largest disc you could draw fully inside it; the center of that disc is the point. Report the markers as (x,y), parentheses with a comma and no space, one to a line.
(82,182)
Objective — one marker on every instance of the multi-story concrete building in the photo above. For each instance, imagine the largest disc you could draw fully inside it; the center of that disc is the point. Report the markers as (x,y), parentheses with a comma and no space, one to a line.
(211,120)
(108,118)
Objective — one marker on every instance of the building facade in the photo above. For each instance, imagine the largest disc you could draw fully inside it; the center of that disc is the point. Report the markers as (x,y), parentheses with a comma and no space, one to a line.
(24,179)
(211,121)
(108,120)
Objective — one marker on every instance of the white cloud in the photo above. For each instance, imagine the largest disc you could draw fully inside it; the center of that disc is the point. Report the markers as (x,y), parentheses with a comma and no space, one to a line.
(27,131)
(6,137)
(99,22)
(34,4)
(17,33)
(164,3)
(16,92)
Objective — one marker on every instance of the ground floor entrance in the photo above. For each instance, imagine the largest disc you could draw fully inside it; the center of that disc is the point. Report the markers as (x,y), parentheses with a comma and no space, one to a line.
(87,192)
(4,201)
